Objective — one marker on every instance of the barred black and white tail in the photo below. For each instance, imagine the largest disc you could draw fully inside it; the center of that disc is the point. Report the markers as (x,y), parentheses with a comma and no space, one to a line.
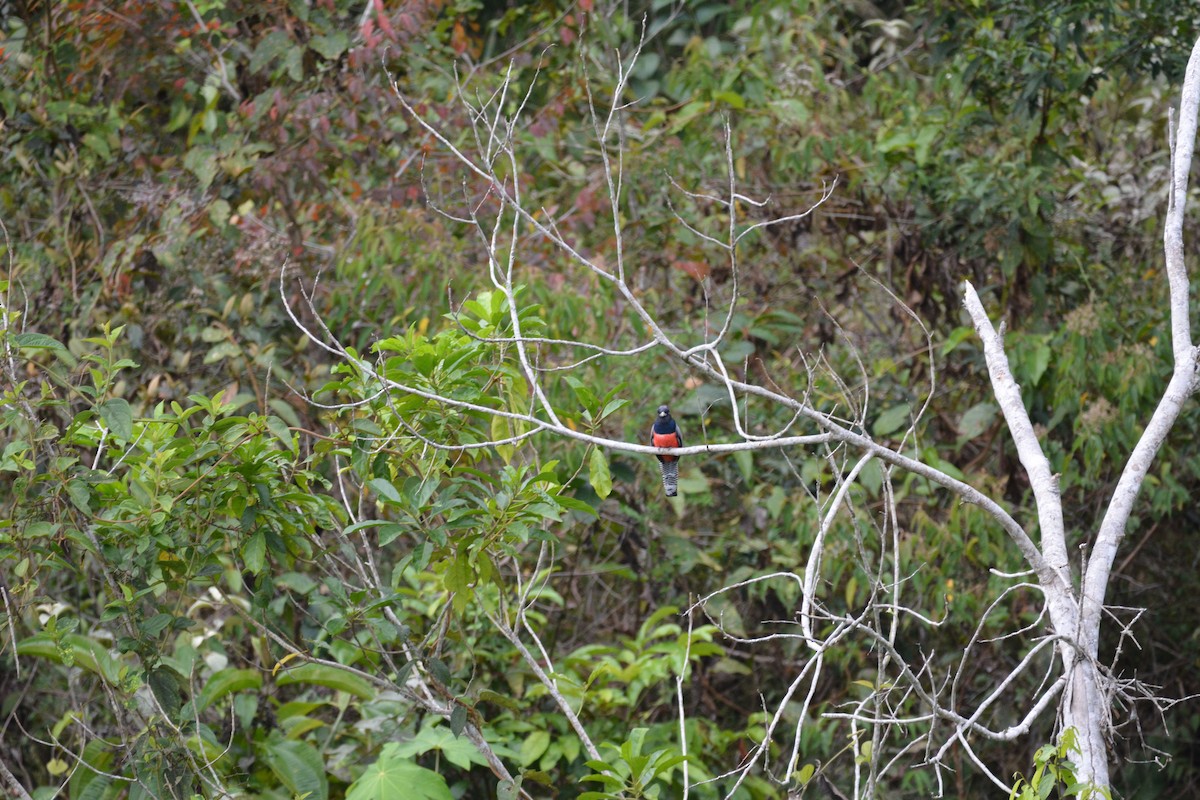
(670,476)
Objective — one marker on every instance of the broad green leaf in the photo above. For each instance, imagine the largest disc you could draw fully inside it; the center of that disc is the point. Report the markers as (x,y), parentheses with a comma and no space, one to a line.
(574,504)
(254,552)
(871,476)
(80,650)
(745,464)
(685,115)
(775,502)
(956,337)
(273,45)
(791,111)
(458,719)
(222,350)
(227,681)
(42,341)
(299,767)
(458,752)
(1039,360)
(37,340)
(977,419)
(201,162)
(88,784)
(731,98)
(532,748)
(392,777)
(330,46)
(118,416)
(598,474)
(80,495)
(156,624)
(331,677)
(612,407)
(386,491)
(585,396)
(892,420)
(388,531)
(279,429)
(502,430)
(166,690)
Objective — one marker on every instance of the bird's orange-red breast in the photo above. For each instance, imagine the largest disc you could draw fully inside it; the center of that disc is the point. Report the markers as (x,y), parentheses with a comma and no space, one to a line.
(665,433)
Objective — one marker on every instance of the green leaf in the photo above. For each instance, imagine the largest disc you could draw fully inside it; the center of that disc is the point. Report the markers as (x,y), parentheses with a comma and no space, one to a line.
(585,396)
(956,337)
(279,429)
(977,420)
(532,748)
(42,341)
(331,677)
(88,784)
(201,162)
(254,552)
(745,464)
(273,45)
(458,719)
(81,496)
(118,416)
(97,145)
(574,504)
(502,430)
(166,690)
(611,407)
(225,682)
(80,650)
(458,752)
(293,61)
(386,491)
(331,46)
(793,112)
(892,420)
(222,351)
(299,767)
(38,340)
(388,531)
(392,777)
(731,98)
(1039,360)
(155,625)
(685,115)
(598,474)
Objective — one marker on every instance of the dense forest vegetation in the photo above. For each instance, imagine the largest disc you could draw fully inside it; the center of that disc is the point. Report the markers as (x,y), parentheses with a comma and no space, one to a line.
(332,333)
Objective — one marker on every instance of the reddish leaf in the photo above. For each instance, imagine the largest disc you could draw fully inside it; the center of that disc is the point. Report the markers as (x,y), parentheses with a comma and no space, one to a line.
(698,270)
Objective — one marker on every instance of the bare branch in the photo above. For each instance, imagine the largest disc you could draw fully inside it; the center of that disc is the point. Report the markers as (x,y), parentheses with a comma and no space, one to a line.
(1183,381)
(1037,466)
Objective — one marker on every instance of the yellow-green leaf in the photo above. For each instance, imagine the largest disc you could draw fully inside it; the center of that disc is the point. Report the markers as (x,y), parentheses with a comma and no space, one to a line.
(598,474)
(331,677)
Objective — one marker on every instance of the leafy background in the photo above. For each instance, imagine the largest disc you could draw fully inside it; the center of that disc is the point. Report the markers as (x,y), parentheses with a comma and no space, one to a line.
(173,511)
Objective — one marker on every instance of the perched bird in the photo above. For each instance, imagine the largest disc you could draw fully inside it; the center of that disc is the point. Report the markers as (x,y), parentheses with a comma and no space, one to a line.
(666,434)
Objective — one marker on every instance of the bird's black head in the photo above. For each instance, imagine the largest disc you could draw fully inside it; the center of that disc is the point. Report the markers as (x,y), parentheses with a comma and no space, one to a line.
(664,411)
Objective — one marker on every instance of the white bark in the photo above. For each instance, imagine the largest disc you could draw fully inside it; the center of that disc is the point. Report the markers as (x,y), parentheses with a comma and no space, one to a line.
(1085,703)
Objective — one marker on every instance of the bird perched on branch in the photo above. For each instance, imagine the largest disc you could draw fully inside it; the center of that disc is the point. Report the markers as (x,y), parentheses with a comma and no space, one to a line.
(666,434)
